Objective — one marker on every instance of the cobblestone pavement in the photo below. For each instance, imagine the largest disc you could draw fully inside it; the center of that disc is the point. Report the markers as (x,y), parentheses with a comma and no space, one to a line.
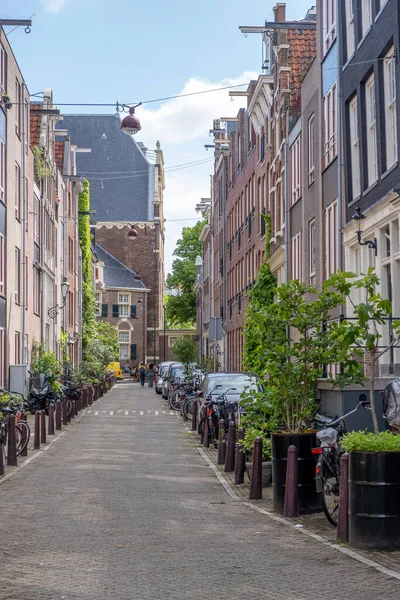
(123,507)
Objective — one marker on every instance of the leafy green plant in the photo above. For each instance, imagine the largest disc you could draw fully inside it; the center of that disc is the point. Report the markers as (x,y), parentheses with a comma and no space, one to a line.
(46,363)
(365,441)
(185,351)
(41,171)
(88,299)
(248,443)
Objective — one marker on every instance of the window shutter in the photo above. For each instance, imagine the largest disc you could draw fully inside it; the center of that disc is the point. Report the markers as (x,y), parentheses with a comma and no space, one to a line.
(133,351)
(104,310)
(133,311)
(115,310)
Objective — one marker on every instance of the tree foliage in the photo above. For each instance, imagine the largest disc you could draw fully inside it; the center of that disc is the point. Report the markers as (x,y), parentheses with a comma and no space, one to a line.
(182,308)
(185,351)
(88,300)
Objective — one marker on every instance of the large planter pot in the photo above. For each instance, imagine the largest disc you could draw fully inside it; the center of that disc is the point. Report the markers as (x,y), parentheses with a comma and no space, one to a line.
(374,500)
(308,498)
(266,472)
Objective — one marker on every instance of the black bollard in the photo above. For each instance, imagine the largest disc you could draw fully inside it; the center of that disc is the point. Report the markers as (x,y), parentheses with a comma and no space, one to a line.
(343,516)
(25,450)
(11,445)
(240,463)
(64,411)
(206,441)
(1,459)
(50,430)
(36,438)
(221,446)
(58,415)
(73,409)
(256,471)
(70,410)
(194,415)
(291,506)
(42,427)
(230,449)
(76,407)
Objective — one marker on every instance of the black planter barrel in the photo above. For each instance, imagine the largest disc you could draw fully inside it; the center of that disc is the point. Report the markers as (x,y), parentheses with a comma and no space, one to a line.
(374,500)
(308,498)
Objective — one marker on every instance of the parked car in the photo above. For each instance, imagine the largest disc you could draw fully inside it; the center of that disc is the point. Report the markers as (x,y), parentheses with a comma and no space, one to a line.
(232,384)
(175,370)
(162,371)
(116,367)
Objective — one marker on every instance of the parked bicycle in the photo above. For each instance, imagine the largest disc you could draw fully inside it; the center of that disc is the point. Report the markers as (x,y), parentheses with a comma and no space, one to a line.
(327,470)
(216,409)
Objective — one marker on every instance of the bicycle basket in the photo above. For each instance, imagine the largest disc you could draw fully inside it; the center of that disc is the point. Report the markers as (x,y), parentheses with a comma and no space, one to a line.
(327,436)
(391,403)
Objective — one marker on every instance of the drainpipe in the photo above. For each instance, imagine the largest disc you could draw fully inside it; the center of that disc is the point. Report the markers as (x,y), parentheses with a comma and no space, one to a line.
(339,150)
(286,209)
(24,224)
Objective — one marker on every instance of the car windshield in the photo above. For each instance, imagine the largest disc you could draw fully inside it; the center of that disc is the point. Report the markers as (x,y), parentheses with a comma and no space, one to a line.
(163,371)
(218,385)
(175,371)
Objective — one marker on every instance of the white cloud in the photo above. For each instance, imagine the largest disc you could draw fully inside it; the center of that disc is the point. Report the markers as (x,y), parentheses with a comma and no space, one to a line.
(182,125)
(53,5)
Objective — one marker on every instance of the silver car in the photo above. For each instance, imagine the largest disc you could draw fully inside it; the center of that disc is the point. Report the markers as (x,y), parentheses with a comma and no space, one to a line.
(162,371)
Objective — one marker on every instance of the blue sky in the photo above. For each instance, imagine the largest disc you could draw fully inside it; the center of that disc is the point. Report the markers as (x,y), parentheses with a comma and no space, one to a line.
(98,51)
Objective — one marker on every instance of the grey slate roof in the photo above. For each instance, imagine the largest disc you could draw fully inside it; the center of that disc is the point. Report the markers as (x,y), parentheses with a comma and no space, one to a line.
(118,171)
(116,274)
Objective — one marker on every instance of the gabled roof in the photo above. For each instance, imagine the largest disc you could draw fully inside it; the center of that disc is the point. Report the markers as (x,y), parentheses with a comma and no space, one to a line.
(121,188)
(116,274)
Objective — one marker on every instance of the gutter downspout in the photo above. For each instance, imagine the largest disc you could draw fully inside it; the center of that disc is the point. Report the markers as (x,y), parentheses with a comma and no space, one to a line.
(24,225)
(339,151)
(286,209)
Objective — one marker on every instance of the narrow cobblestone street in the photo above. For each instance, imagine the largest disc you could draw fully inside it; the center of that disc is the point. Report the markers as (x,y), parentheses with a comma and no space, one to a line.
(123,507)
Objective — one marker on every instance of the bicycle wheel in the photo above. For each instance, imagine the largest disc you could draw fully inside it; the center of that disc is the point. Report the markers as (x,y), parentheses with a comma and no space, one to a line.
(176,399)
(188,408)
(330,488)
(25,436)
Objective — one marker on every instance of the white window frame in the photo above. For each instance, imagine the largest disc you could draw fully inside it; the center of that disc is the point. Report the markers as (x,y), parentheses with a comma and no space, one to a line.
(330,125)
(311,250)
(3,70)
(366,16)
(97,298)
(171,340)
(355,148)
(124,351)
(350,30)
(124,301)
(311,149)
(123,337)
(18,190)
(295,155)
(371,130)
(329,23)
(389,79)
(2,170)
(297,256)
(331,238)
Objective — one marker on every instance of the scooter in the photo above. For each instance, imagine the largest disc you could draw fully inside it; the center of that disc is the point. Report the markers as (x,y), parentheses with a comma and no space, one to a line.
(40,395)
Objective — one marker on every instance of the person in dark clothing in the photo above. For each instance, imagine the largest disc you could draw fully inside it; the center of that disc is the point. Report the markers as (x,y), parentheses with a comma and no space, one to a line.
(142,372)
(150,375)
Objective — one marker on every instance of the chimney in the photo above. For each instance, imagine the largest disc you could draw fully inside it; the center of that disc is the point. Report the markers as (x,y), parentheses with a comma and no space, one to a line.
(280,12)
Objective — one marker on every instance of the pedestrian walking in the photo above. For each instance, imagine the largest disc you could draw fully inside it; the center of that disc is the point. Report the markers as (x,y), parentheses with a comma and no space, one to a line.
(142,372)
(150,375)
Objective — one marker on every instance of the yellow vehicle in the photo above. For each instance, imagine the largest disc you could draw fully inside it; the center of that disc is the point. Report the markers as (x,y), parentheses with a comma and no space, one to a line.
(116,367)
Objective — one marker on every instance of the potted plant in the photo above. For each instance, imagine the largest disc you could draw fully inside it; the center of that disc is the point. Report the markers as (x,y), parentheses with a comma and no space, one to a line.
(374,489)
(299,343)
(247,446)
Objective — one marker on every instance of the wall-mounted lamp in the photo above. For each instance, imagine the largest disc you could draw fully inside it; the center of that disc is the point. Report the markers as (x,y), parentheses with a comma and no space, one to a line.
(53,312)
(358,216)
(137,277)
(132,233)
(140,301)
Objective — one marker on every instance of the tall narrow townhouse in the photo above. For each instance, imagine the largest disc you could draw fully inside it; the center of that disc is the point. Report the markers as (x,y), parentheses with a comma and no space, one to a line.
(17,328)
(369,31)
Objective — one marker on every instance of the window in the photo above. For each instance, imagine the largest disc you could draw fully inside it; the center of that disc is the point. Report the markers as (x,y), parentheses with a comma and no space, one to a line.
(17,191)
(98,303)
(2,265)
(350,28)
(2,171)
(37,293)
(172,340)
(389,78)
(70,254)
(123,339)
(17,353)
(3,70)
(371,130)
(331,238)
(296,248)
(311,151)
(70,309)
(18,107)
(17,276)
(329,23)
(311,251)
(355,148)
(295,155)
(36,220)
(262,146)
(123,305)
(330,125)
(366,13)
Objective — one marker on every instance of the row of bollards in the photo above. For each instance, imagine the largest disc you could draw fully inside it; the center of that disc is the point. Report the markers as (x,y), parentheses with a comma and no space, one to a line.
(57,417)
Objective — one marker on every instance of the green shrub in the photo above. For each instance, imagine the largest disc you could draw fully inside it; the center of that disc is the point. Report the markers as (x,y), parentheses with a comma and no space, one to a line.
(365,441)
(248,443)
